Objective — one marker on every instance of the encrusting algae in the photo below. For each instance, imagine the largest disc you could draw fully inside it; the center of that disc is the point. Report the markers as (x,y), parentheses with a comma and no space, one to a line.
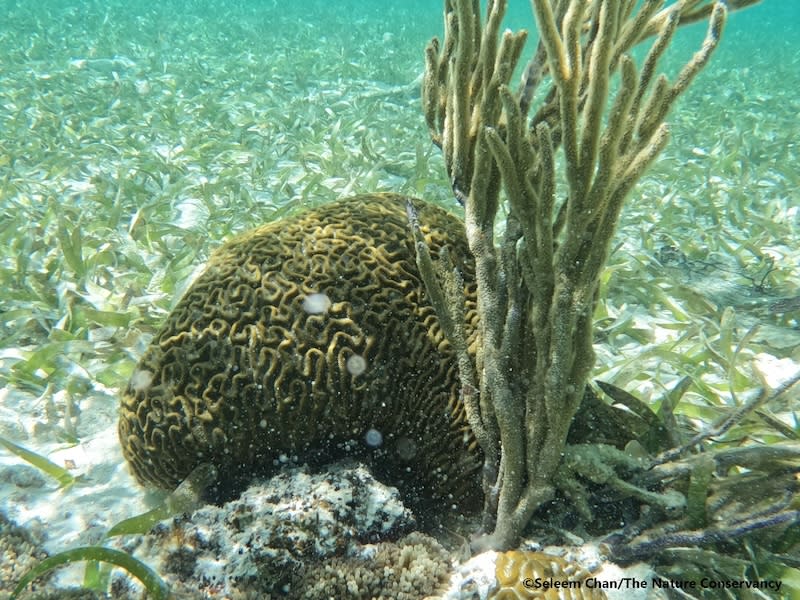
(309,337)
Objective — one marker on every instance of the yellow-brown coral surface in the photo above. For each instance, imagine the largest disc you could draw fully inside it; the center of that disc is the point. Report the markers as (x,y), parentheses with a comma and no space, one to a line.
(247,370)
(527,575)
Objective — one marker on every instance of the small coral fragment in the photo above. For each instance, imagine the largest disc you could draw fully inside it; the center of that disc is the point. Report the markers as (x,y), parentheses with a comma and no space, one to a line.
(527,575)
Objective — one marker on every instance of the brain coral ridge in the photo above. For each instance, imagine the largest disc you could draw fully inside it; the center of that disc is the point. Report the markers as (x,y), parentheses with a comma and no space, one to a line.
(524,575)
(256,361)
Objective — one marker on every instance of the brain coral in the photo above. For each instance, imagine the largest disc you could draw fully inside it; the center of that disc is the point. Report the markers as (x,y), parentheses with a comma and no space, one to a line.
(529,575)
(309,337)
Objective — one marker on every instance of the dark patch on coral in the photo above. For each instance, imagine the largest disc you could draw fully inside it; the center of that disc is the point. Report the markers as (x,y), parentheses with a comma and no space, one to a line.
(181,562)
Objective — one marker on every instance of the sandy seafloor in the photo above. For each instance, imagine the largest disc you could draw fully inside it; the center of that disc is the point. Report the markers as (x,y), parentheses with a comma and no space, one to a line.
(748,98)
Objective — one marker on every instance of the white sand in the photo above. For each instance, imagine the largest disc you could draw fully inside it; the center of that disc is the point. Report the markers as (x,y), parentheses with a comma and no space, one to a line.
(80,514)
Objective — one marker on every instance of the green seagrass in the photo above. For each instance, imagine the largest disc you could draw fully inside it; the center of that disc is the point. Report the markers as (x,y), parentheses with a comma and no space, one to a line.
(241,374)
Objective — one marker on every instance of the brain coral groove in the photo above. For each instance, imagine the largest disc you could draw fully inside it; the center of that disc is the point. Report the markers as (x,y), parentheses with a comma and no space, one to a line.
(241,374)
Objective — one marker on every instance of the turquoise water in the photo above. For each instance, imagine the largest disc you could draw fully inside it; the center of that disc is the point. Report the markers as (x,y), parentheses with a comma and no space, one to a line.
(136,136)
(149,132)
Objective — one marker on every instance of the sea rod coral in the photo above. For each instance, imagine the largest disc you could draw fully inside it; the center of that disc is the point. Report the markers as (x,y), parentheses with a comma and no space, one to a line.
(550,166)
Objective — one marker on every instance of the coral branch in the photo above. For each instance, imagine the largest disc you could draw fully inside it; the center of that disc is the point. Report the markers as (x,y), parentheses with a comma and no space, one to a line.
(537,290)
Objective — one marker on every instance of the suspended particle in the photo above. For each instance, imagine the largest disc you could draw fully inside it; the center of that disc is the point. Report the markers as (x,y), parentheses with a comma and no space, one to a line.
(356,364)
(374,438)
(316,304)
(141,380)
(406,448)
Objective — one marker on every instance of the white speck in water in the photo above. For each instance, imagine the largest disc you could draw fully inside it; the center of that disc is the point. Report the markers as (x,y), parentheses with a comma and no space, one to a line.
(263,424)
(356,364)
(142,87)
(374,438)
(316,304)
(406,448)
(141,380)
